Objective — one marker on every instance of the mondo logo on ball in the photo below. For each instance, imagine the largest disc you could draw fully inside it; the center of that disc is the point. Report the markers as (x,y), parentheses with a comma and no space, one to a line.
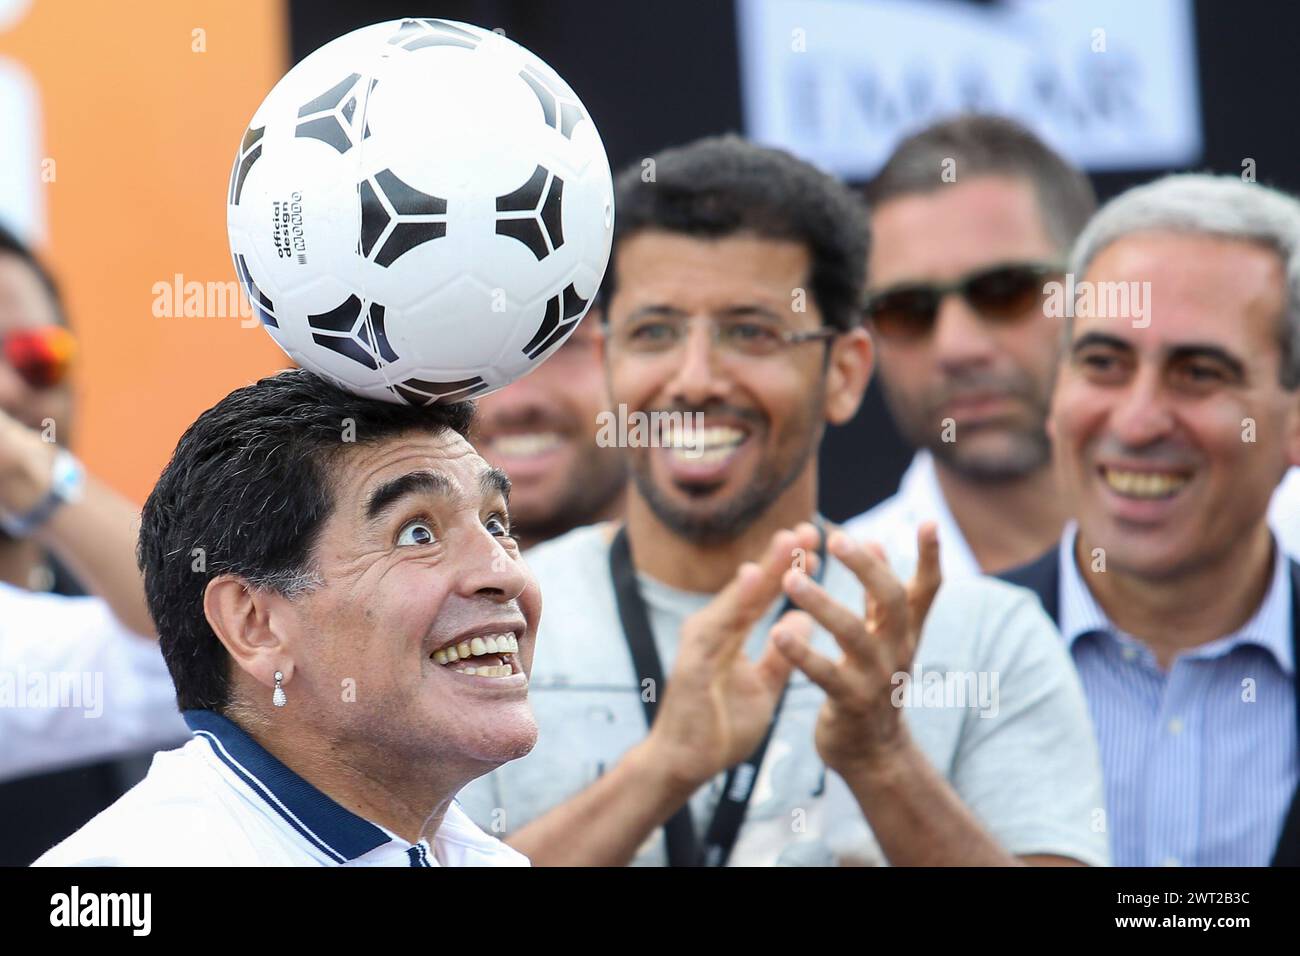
(420,211)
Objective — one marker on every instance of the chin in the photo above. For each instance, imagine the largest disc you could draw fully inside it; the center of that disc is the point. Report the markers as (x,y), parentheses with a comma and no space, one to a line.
(1150,559)
(506,735)
(505,748)
(993,456)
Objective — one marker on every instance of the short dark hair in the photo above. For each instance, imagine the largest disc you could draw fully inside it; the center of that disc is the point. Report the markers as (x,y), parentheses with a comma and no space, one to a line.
(11,245)
(724,185)
(249,484)
(980,145)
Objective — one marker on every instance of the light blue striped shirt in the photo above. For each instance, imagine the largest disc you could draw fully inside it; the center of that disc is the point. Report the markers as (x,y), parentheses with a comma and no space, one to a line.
(1200,762)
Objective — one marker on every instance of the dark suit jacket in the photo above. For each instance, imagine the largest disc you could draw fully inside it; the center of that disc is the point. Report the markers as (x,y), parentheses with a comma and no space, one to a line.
(1043,577)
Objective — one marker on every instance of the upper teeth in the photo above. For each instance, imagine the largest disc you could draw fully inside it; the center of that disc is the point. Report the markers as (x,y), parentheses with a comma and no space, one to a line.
(524,445)
(703,437)
(1144,484)
(477,647)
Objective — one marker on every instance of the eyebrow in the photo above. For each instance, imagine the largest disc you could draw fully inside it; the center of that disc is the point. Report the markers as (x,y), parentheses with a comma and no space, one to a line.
(492,481)
(1212,352)
(1090,339)
(1174,354)
(495,480)
(732,311)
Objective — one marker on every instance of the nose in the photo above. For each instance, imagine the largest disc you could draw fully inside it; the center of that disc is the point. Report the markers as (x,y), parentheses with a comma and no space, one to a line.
(13,390)
(696,380)
(1140,415)
(961,338)
(488,570)
(520,403)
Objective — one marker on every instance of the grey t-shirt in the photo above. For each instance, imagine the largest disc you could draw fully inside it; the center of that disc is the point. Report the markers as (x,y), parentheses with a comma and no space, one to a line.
(994,703)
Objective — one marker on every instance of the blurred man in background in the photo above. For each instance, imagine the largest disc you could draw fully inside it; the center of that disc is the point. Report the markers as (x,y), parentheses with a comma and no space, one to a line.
(35,389)
(1172,426)
(58,522)
(971,218)
(541,431)
(733,305)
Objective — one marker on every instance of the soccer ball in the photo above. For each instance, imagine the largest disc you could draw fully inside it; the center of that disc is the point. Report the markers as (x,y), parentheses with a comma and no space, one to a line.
(420,211)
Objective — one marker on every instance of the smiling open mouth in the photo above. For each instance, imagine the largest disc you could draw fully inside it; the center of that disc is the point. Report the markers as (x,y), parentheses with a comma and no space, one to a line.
(491,656)
(704,445)
(526,445)
(1144,484)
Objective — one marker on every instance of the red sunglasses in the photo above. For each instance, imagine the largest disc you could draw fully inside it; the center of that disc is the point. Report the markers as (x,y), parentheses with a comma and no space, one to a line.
(42,357)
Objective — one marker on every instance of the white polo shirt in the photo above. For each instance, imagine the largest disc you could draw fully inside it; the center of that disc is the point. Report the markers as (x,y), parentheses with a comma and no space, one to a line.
(894,521)
(223,800)
(996,707)
(75,685)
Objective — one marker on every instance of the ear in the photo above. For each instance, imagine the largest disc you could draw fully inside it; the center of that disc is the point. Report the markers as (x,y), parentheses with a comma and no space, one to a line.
(256,627)
(852,359)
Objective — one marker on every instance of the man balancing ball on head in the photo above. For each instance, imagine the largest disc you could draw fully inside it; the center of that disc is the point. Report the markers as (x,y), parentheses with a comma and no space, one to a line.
(337,595)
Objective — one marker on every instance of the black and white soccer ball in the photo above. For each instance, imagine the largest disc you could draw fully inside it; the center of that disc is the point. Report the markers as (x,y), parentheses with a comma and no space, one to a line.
(421,211)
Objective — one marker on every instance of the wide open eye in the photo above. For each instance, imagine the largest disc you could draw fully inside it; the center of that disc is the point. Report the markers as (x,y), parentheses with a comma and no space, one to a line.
(415,533)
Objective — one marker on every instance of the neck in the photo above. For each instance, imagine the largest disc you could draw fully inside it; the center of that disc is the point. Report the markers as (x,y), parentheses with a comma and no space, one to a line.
(358,777)
(679,562)
(1006,523)
(18,559)
(1174,613)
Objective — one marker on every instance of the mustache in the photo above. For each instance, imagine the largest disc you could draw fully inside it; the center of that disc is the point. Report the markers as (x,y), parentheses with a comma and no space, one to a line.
(717,409)
(966,384)
(1166,455)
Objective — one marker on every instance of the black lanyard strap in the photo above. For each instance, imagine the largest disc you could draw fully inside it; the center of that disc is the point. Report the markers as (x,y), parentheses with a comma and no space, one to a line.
(720,836)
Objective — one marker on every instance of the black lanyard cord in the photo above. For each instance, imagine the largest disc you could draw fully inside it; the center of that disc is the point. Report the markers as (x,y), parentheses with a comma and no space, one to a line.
(720,836)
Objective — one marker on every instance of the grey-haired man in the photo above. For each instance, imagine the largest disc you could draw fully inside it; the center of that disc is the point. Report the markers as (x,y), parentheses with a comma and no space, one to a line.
(1171,430)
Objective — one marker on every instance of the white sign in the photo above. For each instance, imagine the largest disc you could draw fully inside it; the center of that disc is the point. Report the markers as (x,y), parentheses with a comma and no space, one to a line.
(1111,84)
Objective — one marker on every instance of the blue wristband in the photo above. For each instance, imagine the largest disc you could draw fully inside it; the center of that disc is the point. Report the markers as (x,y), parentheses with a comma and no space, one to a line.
(68,482)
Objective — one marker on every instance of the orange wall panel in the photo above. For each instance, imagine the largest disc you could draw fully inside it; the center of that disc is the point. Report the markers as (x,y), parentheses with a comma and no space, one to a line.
(142,127)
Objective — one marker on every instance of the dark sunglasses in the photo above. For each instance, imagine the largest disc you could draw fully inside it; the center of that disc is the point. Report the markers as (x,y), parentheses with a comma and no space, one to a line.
(42,357)
(1001,293)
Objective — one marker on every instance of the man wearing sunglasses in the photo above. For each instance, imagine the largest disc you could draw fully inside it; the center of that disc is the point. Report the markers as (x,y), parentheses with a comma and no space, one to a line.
(971,219)
(709,686)
(78,682)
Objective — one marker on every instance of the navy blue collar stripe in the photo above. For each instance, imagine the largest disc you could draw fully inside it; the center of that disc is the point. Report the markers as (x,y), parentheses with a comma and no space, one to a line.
(417,855)
(337,832)
(269,797)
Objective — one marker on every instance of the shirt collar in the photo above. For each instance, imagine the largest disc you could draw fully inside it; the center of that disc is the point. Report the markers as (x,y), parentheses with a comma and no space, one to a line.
(339,833)
(1270,627)
(922,499)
